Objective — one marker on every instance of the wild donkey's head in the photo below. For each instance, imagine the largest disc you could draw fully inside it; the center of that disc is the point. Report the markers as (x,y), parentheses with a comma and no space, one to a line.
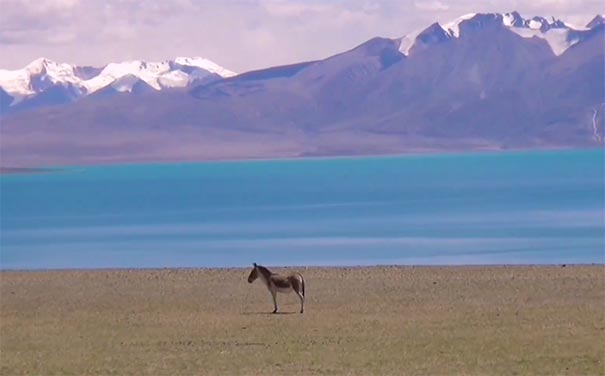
(253,274)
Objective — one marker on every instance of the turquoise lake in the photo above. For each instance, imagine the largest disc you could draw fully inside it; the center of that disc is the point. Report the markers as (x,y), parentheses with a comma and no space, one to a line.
(481,208)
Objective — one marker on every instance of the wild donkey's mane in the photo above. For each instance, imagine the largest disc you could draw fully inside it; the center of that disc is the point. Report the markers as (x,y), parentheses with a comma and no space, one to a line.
(264,271)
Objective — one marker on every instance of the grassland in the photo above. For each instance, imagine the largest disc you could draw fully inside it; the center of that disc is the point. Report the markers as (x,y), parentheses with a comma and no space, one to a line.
(393,320)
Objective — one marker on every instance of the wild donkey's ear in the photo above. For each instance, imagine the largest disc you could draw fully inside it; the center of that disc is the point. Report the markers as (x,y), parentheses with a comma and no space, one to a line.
(254,264)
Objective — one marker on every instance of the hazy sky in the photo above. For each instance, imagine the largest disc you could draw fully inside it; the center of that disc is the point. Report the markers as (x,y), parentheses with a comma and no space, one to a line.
(239,35)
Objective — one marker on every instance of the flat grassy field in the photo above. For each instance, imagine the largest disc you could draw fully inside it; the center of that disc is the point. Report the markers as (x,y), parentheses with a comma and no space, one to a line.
(384,320)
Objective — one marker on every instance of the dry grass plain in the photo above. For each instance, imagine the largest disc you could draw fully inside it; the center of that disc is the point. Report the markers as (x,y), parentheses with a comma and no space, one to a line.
(384,320)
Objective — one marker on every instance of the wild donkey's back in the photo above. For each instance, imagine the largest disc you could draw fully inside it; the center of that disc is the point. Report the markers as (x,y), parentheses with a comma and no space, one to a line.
(280,283)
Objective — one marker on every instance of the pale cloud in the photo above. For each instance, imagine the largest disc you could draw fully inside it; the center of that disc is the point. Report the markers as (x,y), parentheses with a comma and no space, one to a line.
(432,5)
(240,35)
(289,9)
(42,6)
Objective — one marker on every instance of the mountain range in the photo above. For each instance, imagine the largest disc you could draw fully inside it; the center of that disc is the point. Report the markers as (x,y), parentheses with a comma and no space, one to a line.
(44,82)
(481,82)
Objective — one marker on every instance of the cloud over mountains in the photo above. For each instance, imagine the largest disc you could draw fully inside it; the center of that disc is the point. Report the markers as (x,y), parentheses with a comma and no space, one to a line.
(242,35)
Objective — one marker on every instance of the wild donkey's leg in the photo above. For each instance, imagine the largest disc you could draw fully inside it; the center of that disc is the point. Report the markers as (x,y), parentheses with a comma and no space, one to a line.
(274,295)
(299,288)
(302,301)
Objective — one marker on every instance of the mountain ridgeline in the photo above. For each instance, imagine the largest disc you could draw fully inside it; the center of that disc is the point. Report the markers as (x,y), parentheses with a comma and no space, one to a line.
(482,82)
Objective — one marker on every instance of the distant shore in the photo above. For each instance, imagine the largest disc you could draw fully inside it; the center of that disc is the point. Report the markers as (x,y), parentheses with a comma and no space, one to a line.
(50,167)
(358,320)
(25,170)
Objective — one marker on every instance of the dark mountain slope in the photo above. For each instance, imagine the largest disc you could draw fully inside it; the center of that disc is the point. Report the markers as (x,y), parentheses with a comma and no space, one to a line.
(479,87)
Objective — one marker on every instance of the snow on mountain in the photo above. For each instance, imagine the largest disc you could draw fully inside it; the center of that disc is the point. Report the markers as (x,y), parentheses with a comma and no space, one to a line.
(175,78)
(126,83)
(35,77)
(559,35)
(559,39)
(407,42)
(165,74)
(453,27)
(149,72)
(15,83)
(205,64)
(41,74)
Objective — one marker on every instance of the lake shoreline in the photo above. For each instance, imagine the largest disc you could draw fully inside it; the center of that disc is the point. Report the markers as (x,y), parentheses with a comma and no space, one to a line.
(304,267)
(410,153)
(26,170)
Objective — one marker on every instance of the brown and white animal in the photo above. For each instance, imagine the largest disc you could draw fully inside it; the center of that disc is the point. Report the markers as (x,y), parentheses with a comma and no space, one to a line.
(280,283)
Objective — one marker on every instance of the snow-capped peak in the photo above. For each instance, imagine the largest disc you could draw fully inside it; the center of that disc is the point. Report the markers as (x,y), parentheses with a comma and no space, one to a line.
(559,35)
(534,23)
(453,27)
(42,73)
(36,76)
(512,19)
(39,65)
(206,64)
(169,73)
(147,72)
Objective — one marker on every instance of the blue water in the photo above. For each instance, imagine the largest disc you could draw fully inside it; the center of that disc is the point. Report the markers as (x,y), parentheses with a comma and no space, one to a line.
(493,208)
